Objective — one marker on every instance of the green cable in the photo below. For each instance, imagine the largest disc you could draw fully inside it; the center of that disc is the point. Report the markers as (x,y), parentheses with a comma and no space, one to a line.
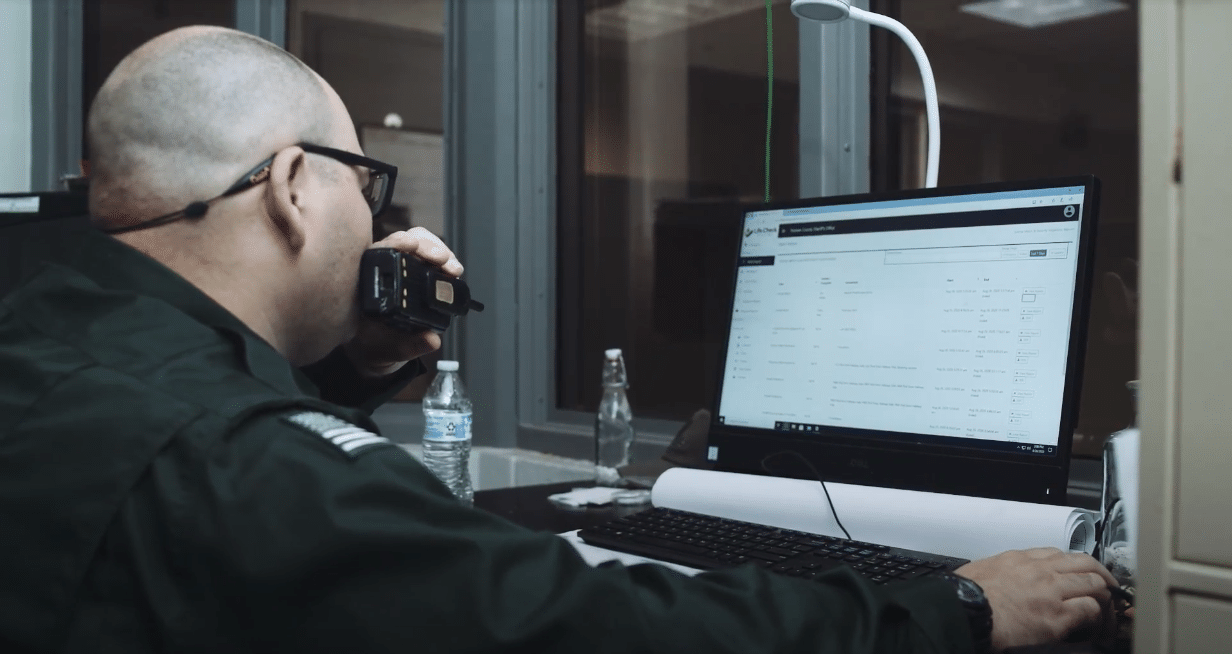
(769,88)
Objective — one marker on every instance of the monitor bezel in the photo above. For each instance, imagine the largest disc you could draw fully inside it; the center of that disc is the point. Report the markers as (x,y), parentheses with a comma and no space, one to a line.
(836,456)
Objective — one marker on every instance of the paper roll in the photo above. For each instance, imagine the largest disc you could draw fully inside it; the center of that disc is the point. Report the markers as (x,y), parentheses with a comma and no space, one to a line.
(952,525)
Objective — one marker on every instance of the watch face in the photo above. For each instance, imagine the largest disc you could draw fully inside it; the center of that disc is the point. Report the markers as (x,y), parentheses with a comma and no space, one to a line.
(969,592)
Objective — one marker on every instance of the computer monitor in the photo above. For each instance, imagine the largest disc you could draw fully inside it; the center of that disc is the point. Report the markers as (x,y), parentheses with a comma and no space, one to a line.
(928,340)
(32,226)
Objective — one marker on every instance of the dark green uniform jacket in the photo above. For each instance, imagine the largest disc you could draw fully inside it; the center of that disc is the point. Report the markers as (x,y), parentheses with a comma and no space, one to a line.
(169,483)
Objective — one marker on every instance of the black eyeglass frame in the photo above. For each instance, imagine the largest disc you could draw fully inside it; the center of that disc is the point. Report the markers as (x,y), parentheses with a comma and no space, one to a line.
(260,173)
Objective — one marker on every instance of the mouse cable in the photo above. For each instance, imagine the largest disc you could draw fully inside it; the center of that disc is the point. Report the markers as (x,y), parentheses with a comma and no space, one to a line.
(817,475)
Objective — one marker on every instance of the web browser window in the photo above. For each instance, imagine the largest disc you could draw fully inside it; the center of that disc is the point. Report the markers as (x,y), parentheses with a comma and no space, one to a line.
(943,318)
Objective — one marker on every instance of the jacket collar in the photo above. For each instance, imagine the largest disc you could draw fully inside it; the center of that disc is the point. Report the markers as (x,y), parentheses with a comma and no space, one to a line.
(116,266)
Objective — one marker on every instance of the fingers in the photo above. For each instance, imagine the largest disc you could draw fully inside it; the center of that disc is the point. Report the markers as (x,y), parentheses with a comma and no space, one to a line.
(1079,612)
(1072,562)
(379,349)
(425,245)
(1084,584)
(1079,563)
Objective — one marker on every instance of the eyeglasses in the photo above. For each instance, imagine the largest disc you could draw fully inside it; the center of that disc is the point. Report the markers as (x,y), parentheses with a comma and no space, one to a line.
(378,187)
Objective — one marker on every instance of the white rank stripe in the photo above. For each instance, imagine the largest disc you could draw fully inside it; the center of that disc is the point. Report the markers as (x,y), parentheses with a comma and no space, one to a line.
(342,440)
(343,435)
(356,444)
(340,436)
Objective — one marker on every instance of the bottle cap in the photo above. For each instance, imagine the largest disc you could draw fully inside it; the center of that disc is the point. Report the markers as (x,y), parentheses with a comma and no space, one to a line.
(447,366)
(613,353)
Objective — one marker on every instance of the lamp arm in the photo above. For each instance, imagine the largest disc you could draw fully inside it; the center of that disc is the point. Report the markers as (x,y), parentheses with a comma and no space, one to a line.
(930,86)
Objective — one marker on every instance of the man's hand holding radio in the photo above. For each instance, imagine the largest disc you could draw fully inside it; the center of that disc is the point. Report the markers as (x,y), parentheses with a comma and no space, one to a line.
(378,349)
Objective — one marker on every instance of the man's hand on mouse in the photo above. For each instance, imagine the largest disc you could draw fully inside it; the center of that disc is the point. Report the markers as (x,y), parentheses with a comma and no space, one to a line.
(1042,595)
(378,349)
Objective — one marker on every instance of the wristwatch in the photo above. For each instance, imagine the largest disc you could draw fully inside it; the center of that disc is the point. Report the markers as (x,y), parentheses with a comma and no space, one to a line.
(979,611)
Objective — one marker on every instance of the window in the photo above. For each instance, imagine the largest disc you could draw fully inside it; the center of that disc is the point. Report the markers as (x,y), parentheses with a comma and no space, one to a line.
(114,28)
(385,58)
(661,131)
(1021,103)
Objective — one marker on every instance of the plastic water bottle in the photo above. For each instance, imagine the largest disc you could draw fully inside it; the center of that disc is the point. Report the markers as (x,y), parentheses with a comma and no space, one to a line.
(613,426)
(447,433)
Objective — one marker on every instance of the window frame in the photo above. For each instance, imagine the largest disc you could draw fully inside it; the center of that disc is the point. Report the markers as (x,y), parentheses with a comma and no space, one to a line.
(502,157)
(55,92)
(56,102)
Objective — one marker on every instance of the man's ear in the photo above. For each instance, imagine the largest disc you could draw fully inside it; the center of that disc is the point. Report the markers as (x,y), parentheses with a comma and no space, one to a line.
(284,195)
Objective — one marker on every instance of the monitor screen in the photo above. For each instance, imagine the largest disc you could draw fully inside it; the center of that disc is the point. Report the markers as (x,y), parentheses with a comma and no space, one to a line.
(33,225)
(948,320)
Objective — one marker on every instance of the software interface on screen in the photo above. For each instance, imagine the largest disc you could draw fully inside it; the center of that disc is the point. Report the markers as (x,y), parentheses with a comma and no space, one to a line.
(945,317)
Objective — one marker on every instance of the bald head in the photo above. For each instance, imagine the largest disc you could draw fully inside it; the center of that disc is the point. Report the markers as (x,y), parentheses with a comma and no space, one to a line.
(184,115)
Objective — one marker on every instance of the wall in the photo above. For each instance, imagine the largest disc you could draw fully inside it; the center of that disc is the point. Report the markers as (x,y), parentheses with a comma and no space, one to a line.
(421,15)
(1035,89)
(15,95)
(1184,598)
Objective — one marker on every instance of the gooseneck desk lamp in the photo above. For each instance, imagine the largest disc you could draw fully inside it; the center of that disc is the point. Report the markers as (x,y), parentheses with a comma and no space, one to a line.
(834,11)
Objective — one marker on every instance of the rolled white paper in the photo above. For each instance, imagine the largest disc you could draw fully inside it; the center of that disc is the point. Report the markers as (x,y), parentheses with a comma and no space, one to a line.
(952,525)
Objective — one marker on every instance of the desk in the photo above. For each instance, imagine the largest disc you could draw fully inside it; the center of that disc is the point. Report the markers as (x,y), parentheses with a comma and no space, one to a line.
(529,507)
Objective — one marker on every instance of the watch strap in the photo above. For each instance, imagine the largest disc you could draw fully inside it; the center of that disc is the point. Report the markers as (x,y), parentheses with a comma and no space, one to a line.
(975,605)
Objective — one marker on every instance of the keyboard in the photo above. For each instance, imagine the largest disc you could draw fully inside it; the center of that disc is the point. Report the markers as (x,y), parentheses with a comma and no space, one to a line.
(709,543)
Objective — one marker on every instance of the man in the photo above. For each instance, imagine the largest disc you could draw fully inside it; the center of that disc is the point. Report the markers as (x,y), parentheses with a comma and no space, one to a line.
(170,482)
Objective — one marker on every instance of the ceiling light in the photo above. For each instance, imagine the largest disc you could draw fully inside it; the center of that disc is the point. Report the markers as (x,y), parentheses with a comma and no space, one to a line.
(1038,13)
(642,19)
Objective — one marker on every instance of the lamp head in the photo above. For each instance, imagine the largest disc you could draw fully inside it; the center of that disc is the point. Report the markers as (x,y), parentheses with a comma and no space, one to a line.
(823,11)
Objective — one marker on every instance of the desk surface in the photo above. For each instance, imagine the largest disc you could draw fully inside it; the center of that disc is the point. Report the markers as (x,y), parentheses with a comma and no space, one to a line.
(529,507)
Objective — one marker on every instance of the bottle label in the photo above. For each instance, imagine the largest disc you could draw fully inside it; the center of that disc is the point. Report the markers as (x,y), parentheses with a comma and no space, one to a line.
(448,426)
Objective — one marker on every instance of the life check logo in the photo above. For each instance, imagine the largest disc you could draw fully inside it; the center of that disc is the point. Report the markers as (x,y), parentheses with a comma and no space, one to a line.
(760,230)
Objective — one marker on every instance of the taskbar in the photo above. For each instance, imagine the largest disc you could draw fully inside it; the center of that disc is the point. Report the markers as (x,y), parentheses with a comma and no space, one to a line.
(1037,449)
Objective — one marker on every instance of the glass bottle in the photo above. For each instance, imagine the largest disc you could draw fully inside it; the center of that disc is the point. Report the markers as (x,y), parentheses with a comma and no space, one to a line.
(613,423)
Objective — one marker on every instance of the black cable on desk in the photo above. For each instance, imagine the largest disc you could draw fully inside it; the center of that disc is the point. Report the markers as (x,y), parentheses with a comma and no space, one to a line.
(816,475)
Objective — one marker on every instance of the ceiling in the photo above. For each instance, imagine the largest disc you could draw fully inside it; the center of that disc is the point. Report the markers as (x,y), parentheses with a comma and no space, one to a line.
(1106,42)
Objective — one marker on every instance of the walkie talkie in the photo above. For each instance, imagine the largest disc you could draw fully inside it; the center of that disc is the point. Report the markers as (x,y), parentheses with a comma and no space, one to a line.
(408,293)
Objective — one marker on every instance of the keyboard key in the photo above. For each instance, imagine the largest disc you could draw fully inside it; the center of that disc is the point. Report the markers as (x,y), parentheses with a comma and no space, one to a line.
(660,542)
(780,551)
(764,556)
(879,579)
